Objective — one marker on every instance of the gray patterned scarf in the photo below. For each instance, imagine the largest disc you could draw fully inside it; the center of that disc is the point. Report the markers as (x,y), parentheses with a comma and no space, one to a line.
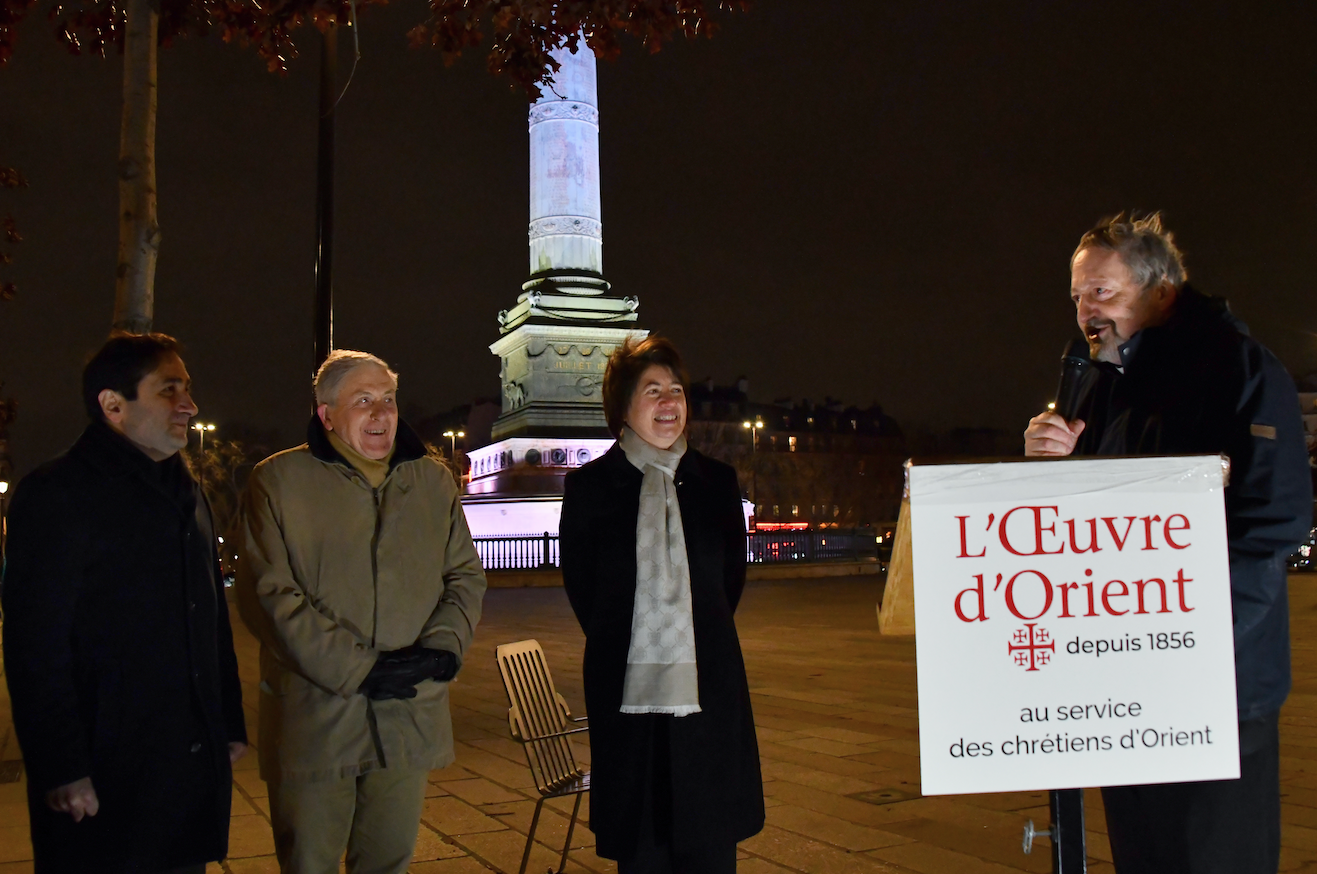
(660,665)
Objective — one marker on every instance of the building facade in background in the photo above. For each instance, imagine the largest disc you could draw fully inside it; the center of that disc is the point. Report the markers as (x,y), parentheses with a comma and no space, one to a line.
(803,464)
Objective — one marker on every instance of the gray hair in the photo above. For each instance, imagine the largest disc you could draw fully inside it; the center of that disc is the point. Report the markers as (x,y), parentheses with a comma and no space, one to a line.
(329,378)
(1147,248)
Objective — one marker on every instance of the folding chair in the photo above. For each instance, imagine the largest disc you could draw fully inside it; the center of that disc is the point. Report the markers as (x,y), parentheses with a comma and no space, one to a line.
(540,721)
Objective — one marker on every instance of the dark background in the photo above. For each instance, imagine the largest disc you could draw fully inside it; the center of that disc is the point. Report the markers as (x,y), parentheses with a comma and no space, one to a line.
(870,200)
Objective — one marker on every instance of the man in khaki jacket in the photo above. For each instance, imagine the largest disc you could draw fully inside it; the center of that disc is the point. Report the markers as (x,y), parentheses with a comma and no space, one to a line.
(358,574)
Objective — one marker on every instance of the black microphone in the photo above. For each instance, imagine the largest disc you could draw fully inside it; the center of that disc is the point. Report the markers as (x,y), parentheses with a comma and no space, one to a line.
(1076,371)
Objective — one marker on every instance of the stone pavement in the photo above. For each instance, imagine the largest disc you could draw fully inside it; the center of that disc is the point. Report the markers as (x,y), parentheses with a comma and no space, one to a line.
(835,706)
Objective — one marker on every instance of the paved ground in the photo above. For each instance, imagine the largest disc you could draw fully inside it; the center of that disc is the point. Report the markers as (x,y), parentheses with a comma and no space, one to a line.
(836,710)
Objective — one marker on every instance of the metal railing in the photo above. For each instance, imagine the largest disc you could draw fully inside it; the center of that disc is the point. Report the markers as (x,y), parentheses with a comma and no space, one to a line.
(832,544)
(540,551)
(518,551)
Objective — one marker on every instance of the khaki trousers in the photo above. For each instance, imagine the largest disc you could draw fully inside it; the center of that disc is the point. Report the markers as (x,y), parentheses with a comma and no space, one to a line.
(374,817)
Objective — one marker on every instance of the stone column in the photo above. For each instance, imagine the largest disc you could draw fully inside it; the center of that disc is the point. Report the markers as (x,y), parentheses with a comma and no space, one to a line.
(566,230)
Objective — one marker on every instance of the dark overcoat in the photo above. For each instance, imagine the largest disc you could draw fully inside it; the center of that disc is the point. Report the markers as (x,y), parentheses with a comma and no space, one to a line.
(716,793)
(120,659)
(1200,384)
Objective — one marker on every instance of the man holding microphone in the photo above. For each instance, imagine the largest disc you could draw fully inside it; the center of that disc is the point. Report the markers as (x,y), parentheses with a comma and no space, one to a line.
(1175,373)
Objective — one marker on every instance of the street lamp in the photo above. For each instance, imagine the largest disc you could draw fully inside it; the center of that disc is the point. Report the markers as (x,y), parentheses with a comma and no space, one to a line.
(4,521)
(201,428)
(754,428)
(452,441)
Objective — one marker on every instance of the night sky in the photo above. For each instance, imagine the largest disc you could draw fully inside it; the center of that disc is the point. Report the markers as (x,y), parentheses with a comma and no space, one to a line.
(871,200)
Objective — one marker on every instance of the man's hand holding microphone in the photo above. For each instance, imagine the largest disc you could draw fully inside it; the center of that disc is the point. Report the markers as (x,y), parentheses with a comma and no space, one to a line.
(1050,434)
(1055,432)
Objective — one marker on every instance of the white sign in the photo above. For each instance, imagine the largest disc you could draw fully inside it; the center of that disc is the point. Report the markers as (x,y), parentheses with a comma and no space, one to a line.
(1074,624)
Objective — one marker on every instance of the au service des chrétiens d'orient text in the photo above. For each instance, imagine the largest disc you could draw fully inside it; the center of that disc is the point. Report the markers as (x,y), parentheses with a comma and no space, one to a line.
(1029,597)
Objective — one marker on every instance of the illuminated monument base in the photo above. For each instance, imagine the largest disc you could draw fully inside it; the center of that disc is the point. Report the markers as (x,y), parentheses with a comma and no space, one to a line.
(516,484)
(526,517)
(552,374)
(552,422)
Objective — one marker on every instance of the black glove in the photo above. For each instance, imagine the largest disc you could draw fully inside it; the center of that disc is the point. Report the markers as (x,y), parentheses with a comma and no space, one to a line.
(396,672)
(442,664)
(390,677)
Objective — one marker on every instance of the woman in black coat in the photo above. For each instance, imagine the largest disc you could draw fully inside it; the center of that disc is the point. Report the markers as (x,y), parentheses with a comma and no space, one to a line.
(653,558)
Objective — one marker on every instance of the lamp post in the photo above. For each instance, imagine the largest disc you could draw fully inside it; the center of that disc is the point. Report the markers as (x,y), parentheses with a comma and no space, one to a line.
(452,451)
(4,520)
(201,428)
(754,428)
(452,441)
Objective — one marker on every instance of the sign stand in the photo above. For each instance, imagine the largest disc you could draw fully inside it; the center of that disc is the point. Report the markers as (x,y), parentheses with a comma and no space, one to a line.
(896,617)
(1068,852)
(896,611)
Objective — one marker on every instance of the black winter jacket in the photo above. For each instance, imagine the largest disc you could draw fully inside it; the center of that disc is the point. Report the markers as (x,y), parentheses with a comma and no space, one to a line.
(716,793)
(1200,385)
(120,659)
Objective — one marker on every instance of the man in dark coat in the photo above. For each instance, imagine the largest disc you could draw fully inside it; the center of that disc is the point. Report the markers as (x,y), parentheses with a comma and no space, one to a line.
(118,651)
(1178,374)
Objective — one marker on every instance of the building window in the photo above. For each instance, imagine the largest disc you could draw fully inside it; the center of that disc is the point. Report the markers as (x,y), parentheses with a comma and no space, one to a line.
(792,441)
(775,512)
(810,420)
(855,424)
(795,510)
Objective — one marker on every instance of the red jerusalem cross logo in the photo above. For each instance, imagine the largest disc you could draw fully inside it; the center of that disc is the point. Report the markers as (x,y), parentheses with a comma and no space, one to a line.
(1031,647)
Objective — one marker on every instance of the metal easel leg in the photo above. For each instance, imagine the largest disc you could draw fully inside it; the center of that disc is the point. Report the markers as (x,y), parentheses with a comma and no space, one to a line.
(1069,855)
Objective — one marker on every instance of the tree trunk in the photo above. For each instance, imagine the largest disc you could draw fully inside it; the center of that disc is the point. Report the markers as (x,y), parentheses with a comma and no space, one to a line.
(139,230)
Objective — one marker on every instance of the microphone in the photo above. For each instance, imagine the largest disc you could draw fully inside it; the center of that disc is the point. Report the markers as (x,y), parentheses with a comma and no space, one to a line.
(1076,370)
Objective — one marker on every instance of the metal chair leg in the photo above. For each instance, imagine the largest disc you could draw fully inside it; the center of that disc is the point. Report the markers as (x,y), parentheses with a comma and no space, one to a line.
(571,827)
(530,838)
